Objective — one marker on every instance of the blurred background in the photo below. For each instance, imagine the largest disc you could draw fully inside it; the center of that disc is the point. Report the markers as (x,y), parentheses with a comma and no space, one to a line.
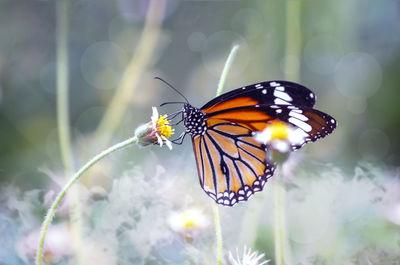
(99,57)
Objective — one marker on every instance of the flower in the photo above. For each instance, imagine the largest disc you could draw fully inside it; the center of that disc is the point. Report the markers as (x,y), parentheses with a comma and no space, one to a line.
(188,221)
(158,130)
(281,138)
(249,258)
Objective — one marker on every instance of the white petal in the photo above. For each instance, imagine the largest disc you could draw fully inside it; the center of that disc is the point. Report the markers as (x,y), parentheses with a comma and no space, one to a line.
(263,137)
(159,140)
(154,117)
(169,144)
(281,146)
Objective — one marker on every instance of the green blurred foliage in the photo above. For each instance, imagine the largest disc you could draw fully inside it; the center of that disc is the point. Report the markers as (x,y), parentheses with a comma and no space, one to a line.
(196,37)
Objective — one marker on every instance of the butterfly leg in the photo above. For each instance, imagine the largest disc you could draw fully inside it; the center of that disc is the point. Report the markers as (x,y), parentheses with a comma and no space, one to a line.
(179,140)
(176,123)
(173,115)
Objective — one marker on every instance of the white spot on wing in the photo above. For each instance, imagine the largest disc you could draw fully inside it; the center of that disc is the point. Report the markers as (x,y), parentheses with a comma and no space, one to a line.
(311,95)
(301,124)
(273,84)
(298,115)
(264,91)
(280,88)
(281,102)
(282,95)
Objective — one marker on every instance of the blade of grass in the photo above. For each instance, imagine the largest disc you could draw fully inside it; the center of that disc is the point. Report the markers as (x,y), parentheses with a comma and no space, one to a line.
(292,72)
(64,137)
(139,62)
(62,13)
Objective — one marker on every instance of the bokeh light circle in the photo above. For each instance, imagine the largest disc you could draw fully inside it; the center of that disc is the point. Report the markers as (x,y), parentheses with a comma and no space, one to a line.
(358,75)
(89,119)
(217,49)
(102,64)
(126,35)
(196,41)
(357,105)
(373,144)
(322,53)
(248,22)
(293,61)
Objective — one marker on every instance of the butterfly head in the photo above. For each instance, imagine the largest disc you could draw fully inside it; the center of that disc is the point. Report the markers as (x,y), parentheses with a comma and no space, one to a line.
(194,120)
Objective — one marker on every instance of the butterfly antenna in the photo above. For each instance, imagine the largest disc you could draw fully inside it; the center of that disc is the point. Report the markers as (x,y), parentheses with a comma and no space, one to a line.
(168,84)
(174,102)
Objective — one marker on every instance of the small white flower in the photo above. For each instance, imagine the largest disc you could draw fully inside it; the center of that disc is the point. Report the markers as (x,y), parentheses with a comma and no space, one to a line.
(280,138)
(249,258)
(156,131)
(188,219)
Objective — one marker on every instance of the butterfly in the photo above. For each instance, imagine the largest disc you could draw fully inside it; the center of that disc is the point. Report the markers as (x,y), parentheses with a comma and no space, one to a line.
(231,164)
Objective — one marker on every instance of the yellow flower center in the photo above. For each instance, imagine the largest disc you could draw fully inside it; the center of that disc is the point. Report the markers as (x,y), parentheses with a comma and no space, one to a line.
(164,127)
(188,221)
(279,130)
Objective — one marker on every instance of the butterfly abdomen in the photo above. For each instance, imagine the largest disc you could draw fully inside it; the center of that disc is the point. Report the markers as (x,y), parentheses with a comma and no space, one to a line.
(194,120)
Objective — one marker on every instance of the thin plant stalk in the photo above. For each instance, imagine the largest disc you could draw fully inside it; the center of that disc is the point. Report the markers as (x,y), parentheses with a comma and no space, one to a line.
(293,40)
(218,233)
(227,66)
(140,61)
(279,218)
(292,72)
(62,28)
(221,83)
(62,10)
(51,212)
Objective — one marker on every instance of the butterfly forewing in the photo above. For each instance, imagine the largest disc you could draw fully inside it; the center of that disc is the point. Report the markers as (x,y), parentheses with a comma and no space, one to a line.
(271,92)
(310,124)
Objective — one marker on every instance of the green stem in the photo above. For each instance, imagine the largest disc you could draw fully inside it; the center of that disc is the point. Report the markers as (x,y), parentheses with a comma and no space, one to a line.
(279,217)
(62,15)
(227,66)
(51,212)
(218,233)
(293,40)
(292,72)
(62,10)
(221,83)
(140,61)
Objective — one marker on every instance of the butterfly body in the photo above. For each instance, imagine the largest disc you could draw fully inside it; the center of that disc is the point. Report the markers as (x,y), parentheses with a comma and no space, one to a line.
(231,164)
(194,120)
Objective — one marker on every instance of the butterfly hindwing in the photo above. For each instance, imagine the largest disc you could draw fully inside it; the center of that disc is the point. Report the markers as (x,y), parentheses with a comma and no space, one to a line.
(231,164)
(270,92)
